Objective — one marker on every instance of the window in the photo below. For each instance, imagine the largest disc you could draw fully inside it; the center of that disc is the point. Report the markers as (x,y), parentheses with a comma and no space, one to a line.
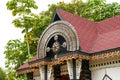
(56,46)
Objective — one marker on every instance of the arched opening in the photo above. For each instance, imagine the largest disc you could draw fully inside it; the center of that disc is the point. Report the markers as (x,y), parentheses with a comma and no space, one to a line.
(65,32)
(57,45)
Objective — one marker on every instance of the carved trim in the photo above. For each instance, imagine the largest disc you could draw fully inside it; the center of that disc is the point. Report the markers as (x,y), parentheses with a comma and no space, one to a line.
(74,55)
(26,71)
(104,55)
(97,61)
(105,63)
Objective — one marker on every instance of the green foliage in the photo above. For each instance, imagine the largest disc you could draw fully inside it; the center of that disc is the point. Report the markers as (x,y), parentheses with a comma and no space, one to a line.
(97,10)
(16,55)
(2,74)
(94,10)
(15,52)
(11,75)
(21,7)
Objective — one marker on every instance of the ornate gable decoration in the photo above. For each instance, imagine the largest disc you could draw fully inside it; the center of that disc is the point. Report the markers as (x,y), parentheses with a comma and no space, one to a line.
(50,39)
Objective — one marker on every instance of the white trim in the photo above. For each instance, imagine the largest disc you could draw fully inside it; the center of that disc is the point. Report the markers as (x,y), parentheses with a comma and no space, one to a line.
(105,63)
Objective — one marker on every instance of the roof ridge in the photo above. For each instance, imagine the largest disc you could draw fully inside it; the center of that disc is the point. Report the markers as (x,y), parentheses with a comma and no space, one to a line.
(59,9)
(85,19)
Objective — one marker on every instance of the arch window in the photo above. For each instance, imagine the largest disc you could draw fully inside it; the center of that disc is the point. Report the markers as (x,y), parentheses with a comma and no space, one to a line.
(56,46)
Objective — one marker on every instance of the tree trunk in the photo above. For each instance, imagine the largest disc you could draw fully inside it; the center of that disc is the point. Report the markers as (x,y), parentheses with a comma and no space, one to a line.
(19,60)
(27,41)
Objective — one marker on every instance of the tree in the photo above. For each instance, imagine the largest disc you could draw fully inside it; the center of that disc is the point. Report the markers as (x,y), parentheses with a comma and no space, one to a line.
(2,74)
(94,10)
(16,55)
(97,10)
(22,8)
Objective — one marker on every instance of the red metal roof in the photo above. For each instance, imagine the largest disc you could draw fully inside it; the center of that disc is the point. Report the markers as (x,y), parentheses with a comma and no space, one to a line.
(108,34)
(94,37)
(33,59)
(26,65)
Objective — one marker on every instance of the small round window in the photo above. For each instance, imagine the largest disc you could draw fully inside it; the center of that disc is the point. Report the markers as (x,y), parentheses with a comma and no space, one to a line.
(56,46)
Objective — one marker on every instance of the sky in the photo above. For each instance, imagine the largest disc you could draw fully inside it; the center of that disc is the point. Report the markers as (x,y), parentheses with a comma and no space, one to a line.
(8,31)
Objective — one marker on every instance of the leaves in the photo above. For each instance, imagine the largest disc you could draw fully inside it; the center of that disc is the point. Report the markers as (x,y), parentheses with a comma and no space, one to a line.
(97,10)
(24,21)
(2,74)
(21,7)
(16,55)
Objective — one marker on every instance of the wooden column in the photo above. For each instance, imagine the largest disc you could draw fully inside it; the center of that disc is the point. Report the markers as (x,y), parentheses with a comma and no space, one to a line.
(74,68)
(49,70)
(78,68)
(45,72)
(70,68)
(42,72)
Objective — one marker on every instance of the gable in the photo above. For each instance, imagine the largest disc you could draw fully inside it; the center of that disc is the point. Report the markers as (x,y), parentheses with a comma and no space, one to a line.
(56,17)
